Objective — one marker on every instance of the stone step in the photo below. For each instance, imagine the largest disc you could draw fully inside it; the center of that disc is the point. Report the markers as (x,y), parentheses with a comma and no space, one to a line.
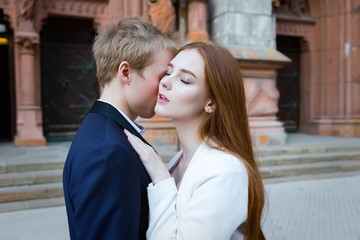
(309,168)
(296,150)
(305,177)
(306,158)
(52,163)
(26,165)
(31,204)
(30,192)
(29,178)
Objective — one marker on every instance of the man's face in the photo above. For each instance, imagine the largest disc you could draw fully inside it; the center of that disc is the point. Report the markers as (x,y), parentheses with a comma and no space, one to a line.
(145,89)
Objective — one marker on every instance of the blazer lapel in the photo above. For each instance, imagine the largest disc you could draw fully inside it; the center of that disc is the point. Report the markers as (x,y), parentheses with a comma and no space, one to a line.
(111,112)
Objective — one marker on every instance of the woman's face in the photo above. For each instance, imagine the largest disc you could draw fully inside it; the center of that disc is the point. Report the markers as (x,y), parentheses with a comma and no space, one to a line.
(182,91)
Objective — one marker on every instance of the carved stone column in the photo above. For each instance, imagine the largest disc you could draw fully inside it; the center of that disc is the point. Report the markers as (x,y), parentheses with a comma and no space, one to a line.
(161,13)
(258,67)
(28,106)
(197,20)
(247,29)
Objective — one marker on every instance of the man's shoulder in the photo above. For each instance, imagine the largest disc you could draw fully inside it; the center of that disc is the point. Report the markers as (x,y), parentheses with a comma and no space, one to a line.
(99,149)
(101,157)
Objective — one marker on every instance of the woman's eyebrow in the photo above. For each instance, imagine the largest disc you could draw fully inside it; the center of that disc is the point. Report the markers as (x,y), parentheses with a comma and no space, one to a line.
(183,70)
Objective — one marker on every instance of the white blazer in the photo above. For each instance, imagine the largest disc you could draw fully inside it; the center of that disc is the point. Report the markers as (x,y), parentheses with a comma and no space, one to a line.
(211,202)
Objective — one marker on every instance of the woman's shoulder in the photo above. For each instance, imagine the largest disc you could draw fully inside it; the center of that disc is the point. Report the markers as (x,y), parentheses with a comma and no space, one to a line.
(220,159)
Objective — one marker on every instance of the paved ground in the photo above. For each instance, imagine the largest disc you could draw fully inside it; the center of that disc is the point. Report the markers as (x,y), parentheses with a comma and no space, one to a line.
(314,209)
(323,209)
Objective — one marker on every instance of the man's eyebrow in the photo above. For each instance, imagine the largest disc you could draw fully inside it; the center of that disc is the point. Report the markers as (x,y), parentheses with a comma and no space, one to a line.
(162,73)
(183,70)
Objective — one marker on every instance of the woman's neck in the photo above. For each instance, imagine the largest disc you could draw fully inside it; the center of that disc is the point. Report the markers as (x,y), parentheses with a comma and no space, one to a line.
(190,141)
(189,138)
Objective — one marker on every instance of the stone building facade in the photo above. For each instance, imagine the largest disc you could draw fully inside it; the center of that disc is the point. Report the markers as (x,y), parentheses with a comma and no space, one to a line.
(300,61)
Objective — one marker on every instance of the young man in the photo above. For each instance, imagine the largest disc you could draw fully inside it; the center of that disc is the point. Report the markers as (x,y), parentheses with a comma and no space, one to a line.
(104,179)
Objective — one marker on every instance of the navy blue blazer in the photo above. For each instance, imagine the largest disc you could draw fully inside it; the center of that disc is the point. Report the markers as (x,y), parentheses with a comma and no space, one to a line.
(104,179)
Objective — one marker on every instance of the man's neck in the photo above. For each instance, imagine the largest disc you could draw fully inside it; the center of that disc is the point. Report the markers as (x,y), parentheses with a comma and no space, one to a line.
(116,99)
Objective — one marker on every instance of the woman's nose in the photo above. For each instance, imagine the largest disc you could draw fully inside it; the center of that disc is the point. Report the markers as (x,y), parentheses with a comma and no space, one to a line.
(165,82)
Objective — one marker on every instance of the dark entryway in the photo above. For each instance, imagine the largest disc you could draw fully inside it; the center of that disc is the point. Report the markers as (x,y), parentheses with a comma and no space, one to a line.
(288,83)
(68,74)
(7,103)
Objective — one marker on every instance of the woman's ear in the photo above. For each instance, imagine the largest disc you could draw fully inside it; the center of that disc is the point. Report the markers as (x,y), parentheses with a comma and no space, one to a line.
(209,108)
(124,72)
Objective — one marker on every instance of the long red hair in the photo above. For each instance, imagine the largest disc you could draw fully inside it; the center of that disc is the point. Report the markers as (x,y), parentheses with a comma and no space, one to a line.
(228,125)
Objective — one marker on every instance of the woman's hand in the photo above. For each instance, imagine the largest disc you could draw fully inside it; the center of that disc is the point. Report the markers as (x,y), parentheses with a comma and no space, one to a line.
(151,160)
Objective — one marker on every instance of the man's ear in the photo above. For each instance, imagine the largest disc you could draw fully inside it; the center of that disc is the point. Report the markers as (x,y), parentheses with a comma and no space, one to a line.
(124,72)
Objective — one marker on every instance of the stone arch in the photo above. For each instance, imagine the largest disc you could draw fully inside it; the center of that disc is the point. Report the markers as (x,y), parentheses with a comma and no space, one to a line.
(300,22)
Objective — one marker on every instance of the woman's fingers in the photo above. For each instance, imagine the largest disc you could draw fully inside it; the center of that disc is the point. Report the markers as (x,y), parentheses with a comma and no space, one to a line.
(151,160)
(140,147)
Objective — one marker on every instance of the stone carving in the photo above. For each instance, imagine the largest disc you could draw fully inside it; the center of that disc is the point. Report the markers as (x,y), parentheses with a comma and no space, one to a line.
(261,97)
(88,8)
(299,7)
(276,3)
(5,2)
(292,7)
(26,9)
(162,15)
(25,15)
(287,28)
(27,41)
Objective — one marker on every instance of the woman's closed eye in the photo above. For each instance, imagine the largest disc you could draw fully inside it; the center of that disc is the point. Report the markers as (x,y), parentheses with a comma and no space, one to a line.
(184,80)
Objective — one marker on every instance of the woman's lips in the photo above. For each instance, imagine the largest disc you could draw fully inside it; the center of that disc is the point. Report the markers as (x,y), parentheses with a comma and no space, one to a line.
(162,98)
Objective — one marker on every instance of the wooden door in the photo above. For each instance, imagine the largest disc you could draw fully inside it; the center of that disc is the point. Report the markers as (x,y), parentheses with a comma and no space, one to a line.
(288,83)
(68,73)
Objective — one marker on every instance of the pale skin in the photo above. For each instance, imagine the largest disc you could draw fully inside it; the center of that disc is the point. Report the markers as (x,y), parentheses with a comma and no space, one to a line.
(183,97)
(133,93)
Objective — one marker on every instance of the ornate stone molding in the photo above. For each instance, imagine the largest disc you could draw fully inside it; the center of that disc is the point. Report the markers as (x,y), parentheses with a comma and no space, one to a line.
(25,10)
(27,40)
(293,28)
(291,8)
(4,3)
(84,8)
(251,53)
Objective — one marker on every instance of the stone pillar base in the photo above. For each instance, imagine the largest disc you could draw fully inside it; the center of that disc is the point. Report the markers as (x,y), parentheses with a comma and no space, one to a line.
(267,131)
(159,131)
(20,142)
(29,127)
(338,127)
(198,36)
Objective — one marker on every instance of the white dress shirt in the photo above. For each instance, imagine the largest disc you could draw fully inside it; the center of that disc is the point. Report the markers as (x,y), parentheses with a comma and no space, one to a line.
(211,202)
(137,127)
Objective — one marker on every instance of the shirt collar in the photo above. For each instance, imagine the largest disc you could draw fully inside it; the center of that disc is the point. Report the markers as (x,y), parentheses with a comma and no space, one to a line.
(137,127)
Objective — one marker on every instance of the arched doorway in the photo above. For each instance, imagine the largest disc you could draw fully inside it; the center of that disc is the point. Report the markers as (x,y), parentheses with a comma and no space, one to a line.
(68,75)
(288,83)
(295,27)
(7,97)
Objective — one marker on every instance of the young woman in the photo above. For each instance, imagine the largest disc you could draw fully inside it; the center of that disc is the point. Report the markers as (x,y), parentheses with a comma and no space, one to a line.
(212,189)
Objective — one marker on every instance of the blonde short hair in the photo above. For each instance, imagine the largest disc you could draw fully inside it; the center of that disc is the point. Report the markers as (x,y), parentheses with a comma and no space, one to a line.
(132,40)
